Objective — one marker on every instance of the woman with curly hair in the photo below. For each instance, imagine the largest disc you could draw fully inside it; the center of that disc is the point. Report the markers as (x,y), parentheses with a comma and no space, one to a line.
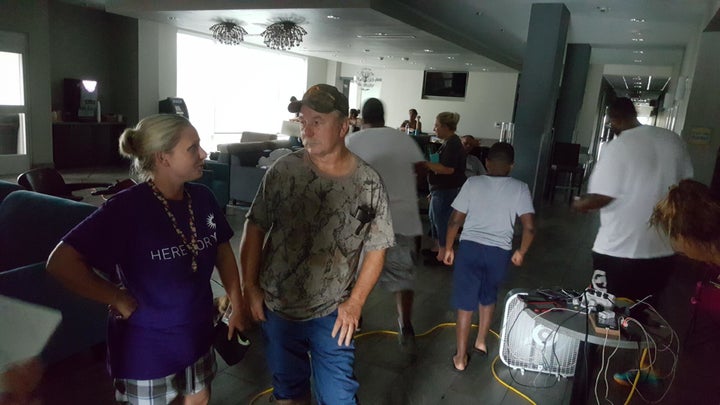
(690,215)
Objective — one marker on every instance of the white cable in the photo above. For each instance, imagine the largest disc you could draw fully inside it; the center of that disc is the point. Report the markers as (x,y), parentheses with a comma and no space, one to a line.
(607,385)
(602,364)
(673,338)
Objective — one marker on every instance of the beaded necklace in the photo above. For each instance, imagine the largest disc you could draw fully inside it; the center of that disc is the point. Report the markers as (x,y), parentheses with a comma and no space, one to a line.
(193,245)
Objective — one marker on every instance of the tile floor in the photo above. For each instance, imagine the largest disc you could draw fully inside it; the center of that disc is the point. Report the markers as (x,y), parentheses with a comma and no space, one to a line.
(559,257)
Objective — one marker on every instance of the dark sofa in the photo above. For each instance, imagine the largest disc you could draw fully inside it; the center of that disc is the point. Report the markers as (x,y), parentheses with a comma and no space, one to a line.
(31,225)
(216,176)
(7,187)
(245,176)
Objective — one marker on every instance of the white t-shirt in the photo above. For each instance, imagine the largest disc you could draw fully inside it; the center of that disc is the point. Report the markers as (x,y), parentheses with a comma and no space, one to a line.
(636,169)
(393,155)
(492,204)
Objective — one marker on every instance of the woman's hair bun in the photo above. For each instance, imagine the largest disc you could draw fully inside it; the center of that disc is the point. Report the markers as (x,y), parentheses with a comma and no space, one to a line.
(127,142)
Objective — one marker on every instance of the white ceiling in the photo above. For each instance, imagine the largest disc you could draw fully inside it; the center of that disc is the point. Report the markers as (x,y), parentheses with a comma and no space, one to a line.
(465,35)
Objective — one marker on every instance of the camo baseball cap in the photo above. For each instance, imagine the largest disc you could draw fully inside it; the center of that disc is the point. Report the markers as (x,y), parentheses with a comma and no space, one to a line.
(322,98)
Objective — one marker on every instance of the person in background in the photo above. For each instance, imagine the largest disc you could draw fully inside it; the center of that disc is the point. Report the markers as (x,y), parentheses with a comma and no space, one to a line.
(394,155)
(354,121)
(690,215)
(486,208)
(161,239)
(474,167)
(632,174)
(446,175)
(316,210)
(413,124)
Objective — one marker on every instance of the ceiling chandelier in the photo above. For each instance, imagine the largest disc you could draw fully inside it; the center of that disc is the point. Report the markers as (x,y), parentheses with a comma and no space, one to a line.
(283,35)
(228,33)
(365,79)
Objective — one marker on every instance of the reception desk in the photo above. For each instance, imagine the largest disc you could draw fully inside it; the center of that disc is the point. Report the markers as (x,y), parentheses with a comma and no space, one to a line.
(86,144)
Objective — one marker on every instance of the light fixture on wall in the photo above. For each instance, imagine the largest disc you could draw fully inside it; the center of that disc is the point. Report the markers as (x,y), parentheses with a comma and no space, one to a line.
(283,35)
(365,79)
(228,33)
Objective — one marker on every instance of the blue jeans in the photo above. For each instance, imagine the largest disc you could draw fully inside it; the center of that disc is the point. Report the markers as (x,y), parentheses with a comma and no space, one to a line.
(288,344)
(440,211)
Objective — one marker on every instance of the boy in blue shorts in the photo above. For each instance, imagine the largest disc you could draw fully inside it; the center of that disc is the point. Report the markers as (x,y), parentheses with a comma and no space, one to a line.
(486,209)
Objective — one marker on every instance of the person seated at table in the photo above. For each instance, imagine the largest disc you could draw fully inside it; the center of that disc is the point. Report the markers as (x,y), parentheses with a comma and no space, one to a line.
(354,121)
(486,208)
(413,124)
(473,165)
(690,215)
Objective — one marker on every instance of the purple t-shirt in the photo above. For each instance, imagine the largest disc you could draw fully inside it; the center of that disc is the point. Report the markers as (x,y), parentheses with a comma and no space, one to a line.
(131,238)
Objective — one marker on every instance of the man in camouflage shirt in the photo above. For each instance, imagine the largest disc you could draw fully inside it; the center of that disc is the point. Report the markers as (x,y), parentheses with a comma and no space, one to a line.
(316,210)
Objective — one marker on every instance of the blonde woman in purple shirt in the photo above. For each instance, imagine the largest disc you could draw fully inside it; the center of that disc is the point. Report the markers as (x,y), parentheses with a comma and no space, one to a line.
(158,242)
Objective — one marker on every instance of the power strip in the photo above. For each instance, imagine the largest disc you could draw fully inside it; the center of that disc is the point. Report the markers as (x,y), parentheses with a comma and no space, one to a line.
(595,299)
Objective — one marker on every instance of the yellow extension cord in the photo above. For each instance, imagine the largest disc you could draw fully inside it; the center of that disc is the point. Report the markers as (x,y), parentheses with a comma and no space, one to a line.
(442,325)
(637,377)
(492,366)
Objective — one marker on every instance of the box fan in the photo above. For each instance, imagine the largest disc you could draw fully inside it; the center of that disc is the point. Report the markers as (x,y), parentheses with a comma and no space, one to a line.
(529,346)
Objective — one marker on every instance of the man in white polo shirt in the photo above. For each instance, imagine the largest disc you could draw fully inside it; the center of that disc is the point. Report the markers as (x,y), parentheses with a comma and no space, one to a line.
(633,173)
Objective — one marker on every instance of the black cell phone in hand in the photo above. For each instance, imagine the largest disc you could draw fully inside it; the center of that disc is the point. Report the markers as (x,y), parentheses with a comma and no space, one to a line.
(232,351)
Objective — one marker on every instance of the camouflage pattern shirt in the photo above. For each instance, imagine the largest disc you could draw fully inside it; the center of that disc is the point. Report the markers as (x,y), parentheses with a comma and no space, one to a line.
(316,226)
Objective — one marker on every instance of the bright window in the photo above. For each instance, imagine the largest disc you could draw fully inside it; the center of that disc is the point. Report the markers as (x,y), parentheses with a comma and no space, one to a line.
(11,87)
(231,89)
(12,94)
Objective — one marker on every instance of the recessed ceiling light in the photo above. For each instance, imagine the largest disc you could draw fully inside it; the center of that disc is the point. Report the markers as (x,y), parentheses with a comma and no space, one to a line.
(638,40)
(431,68)
(451,57)
(639,52)
(637,60)
(485,69)
(637,20)
(468,64)
(428,50)
(333,17)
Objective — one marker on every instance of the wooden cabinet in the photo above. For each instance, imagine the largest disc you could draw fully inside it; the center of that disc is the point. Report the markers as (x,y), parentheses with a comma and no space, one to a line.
(86,144)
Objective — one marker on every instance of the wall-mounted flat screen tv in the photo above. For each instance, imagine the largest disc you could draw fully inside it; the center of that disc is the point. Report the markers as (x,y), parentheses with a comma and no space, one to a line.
(451,85)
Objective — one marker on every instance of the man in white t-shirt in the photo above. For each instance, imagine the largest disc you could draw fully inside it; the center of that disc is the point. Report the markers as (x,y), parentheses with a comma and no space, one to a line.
(633,173)
(393,155)
(631,259)
(486,208)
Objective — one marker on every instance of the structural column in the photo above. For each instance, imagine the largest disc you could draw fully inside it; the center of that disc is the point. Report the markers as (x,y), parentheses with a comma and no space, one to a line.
(538,93)
(572,91)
